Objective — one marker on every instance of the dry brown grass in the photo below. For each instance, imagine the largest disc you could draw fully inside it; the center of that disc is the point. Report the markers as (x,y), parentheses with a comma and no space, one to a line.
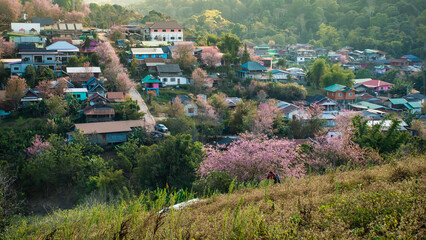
(382,202)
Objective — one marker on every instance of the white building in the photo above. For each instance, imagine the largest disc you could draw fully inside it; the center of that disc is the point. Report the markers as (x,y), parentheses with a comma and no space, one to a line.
(28,28)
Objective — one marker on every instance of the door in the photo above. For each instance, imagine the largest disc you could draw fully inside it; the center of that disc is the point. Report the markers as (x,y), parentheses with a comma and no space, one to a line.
(178,81)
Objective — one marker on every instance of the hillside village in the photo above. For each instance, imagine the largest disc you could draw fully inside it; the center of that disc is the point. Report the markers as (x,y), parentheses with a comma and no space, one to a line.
(112,114)
(57,49)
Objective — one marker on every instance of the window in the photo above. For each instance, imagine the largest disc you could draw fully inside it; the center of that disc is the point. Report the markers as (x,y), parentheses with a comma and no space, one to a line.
(164,30)
(164,79)
(16,68)
(179,38)
(172,30)
(332,94)
(179,30)
(155,30)
(173,38)
(172,79)
(340,94)
(49,59)
(38,59)
(77,95)
(350,94)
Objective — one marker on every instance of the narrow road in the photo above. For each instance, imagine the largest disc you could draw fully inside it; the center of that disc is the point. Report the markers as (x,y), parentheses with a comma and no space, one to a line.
(148,118)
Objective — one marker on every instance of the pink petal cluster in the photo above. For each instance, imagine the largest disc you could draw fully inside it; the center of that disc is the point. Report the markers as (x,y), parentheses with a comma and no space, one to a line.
(211,56)
(38,146)
(264,120)
(252,157)
(114,70)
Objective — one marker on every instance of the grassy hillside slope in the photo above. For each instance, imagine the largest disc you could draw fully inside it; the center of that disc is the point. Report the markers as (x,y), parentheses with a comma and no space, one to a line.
(382,202)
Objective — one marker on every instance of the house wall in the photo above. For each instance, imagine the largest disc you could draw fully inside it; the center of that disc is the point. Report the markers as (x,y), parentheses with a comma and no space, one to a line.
(35,60)
(79,95)
(191,109)
(26,27)
(143,56)
(339,95)
(176,81)
(166,35)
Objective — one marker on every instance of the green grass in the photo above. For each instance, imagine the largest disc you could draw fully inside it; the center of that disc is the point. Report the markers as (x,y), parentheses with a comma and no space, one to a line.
(382,202)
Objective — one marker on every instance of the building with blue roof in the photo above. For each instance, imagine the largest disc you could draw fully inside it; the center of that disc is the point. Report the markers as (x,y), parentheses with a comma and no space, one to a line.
(68,50)
(251,70)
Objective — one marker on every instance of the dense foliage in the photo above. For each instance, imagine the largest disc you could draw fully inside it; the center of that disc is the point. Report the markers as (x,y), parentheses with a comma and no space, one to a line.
(397,27)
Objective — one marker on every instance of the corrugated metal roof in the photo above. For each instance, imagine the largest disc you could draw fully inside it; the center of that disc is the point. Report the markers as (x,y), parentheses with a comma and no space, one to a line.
(62,46)
(83,70)
(109,127)
(254,66)
(398,101)
(335,88)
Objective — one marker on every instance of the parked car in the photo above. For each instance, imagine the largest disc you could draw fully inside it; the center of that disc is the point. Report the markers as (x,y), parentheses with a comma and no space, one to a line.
(161,128)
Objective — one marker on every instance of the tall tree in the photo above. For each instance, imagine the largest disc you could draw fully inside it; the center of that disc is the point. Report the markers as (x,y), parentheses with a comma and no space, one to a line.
(30,76)
(15,90)
(317,71)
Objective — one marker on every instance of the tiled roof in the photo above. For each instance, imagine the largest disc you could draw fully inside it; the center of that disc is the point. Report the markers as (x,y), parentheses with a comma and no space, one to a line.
(115,96)
(168,68)
(166,25)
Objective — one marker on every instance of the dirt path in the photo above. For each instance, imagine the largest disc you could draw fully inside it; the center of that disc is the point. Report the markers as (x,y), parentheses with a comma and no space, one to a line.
(148,118)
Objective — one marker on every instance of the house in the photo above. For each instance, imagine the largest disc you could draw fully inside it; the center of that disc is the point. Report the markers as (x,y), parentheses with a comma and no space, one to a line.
(374,54)
(414,107)
(288,110)
(65,49)
(69,30)
(373,114)
(233,101)
(79,75)
(169,31)
(251,70)
(340,93)
(97,98)
(26,28)
(328,105)
(304,55)
(151,64)
(401,62)
(142,53)
(387,123)
(279,75)
(36,58)
(116,97)
(62,39)
(171,74)
(261,50)
(413,59)
(31,96)
(99,112)
(363,105)
(296,73)
(37,41)
(189,107)
(416,97)
(151,83)
(104,133)
(373,86)
(397,103)
(79,93)
(95,85)
(89,45)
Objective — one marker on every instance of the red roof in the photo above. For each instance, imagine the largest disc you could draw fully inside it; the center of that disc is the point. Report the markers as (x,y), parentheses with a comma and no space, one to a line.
(376,83)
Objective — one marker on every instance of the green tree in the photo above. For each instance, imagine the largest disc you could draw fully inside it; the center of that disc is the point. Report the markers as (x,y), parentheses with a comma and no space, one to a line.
(385,139)
(337,75)
(171,163)
(246,55)
(317,70)
(242,119)
(363,73)
(229,44)
(45,73)
(329,37)
(30,76)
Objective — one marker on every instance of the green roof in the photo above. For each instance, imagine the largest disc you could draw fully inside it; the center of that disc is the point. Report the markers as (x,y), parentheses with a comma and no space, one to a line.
(335,88)
(150,79)
(412,105)
(369,105)
(397,101)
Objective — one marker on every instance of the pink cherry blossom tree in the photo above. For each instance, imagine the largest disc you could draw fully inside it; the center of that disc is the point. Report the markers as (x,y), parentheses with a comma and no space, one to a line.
(6,48)
(199,77)
(211,56)
(74,16)
(205,108)
(264,120)
(252,157)
(10,11)
(38,146)
(43,8)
